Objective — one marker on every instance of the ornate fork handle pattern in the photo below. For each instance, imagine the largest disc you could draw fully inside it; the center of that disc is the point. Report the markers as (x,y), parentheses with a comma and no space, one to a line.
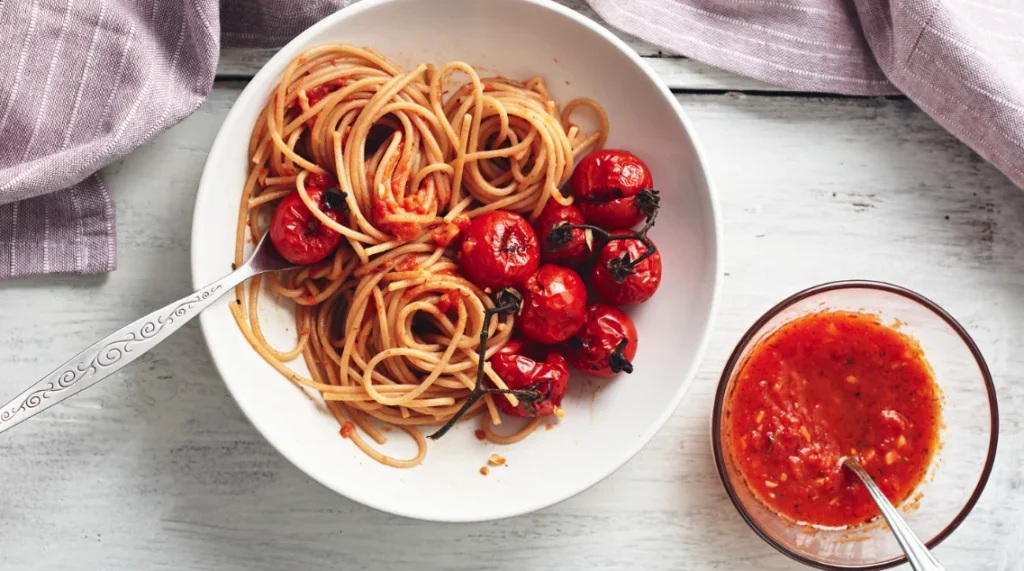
(114,352)
(111,352)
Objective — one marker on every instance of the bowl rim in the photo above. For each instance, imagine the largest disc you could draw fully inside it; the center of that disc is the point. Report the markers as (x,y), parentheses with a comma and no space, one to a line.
(276,64)
(752,332)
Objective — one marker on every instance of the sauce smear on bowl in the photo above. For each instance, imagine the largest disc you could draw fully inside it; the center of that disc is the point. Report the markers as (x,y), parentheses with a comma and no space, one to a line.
(824,386)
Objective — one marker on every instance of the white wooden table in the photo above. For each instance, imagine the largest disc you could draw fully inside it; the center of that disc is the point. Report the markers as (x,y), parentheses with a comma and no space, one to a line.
(157,468)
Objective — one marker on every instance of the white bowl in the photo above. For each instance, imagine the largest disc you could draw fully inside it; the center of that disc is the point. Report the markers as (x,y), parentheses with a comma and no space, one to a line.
(603,428)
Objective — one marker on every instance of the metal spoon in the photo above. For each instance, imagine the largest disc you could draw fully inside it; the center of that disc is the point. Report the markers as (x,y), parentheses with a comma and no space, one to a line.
(132,341)
(918,555)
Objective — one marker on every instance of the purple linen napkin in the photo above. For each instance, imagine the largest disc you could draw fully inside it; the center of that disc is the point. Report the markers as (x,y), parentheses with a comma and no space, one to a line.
(82,84)
(961,61)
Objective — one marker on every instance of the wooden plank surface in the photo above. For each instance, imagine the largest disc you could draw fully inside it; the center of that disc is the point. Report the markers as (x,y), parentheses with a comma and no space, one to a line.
(678,72)
(157,468)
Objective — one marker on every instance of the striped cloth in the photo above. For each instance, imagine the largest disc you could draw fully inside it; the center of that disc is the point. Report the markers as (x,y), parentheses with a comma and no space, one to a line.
(961,61)
(84,82)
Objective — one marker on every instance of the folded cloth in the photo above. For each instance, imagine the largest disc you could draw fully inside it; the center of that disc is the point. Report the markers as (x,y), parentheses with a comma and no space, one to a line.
(961,61)
(82,84)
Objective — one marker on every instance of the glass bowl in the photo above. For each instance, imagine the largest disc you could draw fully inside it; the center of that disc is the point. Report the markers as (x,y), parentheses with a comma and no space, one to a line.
(959,469)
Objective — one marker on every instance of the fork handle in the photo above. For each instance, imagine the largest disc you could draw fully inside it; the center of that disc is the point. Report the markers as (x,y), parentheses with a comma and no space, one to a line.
(115,351)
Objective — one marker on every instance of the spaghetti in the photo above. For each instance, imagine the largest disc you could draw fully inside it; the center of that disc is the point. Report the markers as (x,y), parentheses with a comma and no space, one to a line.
(389,329)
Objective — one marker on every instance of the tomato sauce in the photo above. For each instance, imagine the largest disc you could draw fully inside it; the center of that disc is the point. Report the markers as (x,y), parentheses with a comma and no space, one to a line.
(315,94)
(448,301)
(824,386)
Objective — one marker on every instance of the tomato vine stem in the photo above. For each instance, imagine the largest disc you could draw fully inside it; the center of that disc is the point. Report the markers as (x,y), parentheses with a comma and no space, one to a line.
(623,266)
(507,301)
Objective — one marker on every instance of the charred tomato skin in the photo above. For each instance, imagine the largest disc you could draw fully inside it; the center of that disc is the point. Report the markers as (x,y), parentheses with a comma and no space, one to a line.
(554,305)
(499,249)
(607,343)
(298,235)
(548,378)
(607,184)
(638,285)
(566,247)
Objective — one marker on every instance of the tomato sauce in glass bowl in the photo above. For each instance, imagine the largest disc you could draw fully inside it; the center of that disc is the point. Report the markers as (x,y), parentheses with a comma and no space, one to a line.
(823,386)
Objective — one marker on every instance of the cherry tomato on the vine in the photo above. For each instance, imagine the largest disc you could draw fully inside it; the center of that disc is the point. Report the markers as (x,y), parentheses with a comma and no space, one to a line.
(613,189)
(567,247)
(554,305)
(607,343)
(616,276)
(499,249)
(548,379)
(299,236)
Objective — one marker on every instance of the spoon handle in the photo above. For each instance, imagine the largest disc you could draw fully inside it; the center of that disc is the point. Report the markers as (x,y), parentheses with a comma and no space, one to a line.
(114,351)
(918,554)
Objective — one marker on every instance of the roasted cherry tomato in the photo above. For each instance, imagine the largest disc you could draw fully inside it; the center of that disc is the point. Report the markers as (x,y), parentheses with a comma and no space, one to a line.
(298,235)
(607,343)
(613,189)
(499,249)
(548,379)
(567,247)
(620,282)
(319,180)
(525,347)
(554,305)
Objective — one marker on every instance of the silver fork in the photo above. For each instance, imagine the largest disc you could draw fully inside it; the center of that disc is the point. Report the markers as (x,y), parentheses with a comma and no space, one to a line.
(125,345)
